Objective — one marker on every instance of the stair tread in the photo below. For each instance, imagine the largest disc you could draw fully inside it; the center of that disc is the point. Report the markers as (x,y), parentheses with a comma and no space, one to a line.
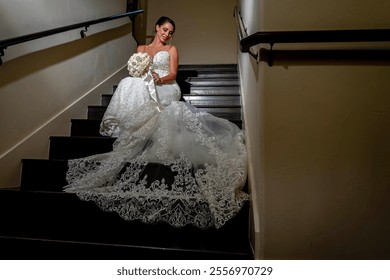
(80,221)
(44,249)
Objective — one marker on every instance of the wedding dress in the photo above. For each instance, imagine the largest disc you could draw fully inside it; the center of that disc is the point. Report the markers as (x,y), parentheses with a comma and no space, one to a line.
(170,162)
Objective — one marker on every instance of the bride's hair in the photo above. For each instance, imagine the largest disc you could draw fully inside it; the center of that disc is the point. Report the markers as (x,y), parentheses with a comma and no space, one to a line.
(163,20)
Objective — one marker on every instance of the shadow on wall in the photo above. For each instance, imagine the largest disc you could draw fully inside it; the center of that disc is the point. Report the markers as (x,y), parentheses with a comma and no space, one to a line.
(40,60)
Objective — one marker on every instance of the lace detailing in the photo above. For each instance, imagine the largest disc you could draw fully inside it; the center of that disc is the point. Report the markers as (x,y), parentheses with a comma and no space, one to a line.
(125,105)
(160,63)
(134,198)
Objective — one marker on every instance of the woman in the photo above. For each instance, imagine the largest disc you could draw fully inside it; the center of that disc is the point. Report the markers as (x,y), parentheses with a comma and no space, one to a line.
(164,69)
(202,158)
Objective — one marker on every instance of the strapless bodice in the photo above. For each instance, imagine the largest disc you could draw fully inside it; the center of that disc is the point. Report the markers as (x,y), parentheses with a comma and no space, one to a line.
(160,63)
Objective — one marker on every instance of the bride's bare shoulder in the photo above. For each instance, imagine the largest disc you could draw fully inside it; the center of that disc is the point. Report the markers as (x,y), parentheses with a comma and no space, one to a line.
(172,49)
(141,48)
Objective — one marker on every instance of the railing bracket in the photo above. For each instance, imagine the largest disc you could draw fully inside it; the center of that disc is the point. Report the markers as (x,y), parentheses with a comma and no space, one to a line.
(270,55)
(2,54)
(82,32)
(254,55)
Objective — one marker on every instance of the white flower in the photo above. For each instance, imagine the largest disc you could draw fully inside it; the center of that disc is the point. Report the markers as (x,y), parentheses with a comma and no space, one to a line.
(138,64)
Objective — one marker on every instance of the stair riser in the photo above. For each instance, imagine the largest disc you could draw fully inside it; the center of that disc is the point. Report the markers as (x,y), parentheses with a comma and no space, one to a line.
(206,75)
(199,101)
(69,147)
(213,68)
(90,128)
(43,175)
(208,82)
(205,91)
(85,128)
(201,92)
(214,102)
(97,112)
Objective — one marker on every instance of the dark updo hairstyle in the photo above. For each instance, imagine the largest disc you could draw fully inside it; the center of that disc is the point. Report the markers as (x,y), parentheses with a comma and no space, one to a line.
(162,20)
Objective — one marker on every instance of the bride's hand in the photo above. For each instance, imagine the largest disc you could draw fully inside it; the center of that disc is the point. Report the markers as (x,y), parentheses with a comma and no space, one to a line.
(157,78)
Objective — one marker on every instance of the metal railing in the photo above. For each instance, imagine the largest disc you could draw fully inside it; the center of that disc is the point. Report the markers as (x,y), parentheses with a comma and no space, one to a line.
(312,36)
(29,37)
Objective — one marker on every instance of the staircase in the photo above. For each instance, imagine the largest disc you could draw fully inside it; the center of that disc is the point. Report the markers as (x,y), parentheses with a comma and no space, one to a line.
(39,221)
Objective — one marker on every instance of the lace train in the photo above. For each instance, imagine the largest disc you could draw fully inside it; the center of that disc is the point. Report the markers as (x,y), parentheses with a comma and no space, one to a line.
(170,162)
(205,155)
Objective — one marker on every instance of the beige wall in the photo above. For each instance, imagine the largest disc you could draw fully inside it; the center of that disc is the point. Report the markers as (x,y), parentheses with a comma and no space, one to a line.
(205,30)
(41,81)
(319,139)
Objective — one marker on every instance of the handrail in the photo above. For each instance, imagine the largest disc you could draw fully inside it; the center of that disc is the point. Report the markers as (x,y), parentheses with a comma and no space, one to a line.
(242,33)
(312,36)
(315,36)
(25,38)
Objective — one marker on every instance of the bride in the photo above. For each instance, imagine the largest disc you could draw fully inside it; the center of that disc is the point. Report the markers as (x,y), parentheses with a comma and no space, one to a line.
(170,162)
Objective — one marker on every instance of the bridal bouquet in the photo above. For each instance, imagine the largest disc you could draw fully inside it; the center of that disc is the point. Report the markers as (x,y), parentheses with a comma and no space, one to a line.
(138,64)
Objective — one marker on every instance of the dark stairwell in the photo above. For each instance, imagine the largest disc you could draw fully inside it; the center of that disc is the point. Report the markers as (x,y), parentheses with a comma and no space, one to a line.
(39,221)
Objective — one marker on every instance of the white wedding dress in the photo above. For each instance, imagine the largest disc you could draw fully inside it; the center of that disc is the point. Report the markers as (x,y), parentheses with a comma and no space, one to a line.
(170,162)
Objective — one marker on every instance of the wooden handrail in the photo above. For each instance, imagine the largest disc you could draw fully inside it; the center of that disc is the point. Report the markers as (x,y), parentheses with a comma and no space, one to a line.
(29,37)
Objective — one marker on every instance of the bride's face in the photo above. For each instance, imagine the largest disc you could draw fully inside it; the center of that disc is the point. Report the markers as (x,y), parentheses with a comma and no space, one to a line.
(165,32)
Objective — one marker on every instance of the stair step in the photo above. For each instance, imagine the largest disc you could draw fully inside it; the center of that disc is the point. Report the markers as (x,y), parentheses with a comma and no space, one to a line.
(43,174)
(232,114)
(213,101)
(199,100)
(208,67)
(96,112)
(85,127)
(50,175)
(49,249)
(60,226)
(90,128)
(219,71)
(65,147)
(209,91)
(201,82)
(202,92)
(184,74)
